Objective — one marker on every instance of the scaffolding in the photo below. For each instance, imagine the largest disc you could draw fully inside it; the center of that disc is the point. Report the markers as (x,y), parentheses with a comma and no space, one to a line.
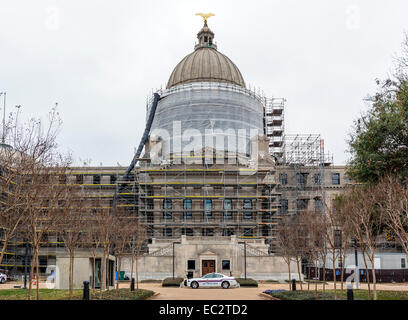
(274,123)
(302,178)
(202,199)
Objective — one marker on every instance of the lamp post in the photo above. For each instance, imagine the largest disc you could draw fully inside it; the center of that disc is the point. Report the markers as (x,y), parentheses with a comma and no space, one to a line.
(357,276)
(174,243)
(245,263)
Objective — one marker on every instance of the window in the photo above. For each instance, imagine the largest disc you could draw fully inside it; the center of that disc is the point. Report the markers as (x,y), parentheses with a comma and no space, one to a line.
(301,178)
(97,179)
(248,215)
(265,231)
(227,232)
(248,232)
(283,178)
(167,232)
(403,265)
(191,264)
(316,178)
(340,262)
(336,178)
(208,232)
(284,206)
(207,207)
(63,179)
(80,179)
(187,232)
(337,239)
(247,206)
(301,204)
(318,204)
(228,207)
(226,265)
(113,179)
(187,206)
(167,205)
(205,39)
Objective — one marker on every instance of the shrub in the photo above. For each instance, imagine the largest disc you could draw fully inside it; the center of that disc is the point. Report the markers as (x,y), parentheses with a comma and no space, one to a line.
(170,282)
(248,282)
(150,281)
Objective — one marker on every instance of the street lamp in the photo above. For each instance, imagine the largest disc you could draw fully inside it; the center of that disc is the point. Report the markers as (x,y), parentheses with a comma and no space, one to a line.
(357,276)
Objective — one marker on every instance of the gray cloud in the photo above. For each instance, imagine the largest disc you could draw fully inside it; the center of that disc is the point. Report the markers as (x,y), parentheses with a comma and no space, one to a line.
(99,61)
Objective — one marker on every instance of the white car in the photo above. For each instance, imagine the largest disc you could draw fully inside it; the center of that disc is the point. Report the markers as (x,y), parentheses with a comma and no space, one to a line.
(212,280)
(3,277)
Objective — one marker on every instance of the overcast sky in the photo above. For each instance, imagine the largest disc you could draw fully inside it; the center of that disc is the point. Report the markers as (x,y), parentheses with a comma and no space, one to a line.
(100,59)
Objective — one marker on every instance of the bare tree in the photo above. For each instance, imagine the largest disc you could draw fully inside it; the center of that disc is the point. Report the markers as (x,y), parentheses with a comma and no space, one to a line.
(366,219)
(394,205)
(72,226)
(30,144)
(122,238)
(136,245)
(105,231)
(285,241)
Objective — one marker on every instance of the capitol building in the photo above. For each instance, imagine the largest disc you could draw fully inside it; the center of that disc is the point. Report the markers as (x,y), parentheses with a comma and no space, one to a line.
(214,173)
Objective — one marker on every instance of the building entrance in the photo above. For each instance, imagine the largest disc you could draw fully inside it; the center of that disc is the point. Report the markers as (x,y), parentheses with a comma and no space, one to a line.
(208,266)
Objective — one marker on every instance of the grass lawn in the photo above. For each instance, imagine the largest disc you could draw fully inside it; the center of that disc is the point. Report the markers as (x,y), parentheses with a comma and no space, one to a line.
(123,294)
(53,294)
(329,295)
(45,294)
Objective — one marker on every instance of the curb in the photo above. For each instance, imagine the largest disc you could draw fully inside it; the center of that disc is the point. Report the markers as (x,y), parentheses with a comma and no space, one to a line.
(153,296)
(268,296)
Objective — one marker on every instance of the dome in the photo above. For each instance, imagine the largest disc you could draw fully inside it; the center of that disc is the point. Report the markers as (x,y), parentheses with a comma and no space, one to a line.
(206,64)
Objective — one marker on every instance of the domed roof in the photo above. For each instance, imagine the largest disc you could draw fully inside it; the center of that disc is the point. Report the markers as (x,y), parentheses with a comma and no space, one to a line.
(206,64)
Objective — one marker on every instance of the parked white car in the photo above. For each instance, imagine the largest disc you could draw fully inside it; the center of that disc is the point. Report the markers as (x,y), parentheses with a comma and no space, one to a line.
(3,277)
(212,280)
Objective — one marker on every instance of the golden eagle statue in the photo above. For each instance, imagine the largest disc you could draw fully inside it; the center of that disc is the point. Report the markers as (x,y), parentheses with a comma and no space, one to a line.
(205,16)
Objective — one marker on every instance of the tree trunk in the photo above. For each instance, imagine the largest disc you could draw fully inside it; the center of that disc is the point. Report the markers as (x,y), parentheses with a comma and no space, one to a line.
(103,273)
(94,274)
(38,277)
(71,273)
(30,283)
(368,274)
(334,275)
(137,275)
(308,276)
(324,275)
(131,269)
(316,276)
(372,258)
(343,259)
(299,273)
(3,249)
(119,266)
(290,278)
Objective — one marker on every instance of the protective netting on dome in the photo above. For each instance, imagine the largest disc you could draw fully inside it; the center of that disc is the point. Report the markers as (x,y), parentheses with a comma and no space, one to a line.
(223,117)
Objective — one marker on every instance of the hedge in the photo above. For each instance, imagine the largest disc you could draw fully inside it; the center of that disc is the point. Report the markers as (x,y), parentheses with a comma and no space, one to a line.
(170,282)
(248,282)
